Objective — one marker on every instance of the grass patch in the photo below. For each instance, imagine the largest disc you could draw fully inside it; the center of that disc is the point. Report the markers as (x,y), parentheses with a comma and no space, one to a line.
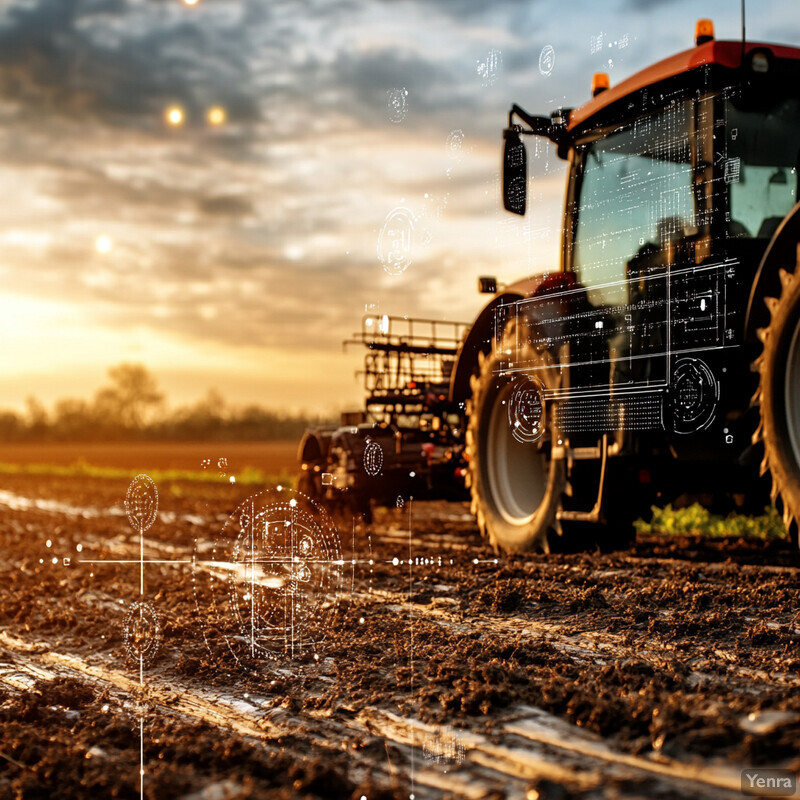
(249,476)
(698,521)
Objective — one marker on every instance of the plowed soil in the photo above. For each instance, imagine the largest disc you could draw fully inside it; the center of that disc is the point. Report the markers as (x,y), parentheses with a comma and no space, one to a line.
(660,671)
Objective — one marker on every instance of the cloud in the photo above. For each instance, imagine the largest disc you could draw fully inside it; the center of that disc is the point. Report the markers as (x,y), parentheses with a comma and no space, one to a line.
(648,5)
(113,59)
(263,233)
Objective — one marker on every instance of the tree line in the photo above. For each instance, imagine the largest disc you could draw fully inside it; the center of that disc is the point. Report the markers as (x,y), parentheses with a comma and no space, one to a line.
(132,407)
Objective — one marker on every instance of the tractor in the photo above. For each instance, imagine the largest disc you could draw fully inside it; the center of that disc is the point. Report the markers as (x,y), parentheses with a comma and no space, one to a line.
(408,441)
(662,360)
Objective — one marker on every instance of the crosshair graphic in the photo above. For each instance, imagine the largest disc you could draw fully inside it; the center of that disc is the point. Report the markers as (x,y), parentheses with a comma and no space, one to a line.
(141,629)
(269,583)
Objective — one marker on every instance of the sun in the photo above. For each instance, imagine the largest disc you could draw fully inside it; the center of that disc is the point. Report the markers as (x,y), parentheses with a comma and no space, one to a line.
(103,244)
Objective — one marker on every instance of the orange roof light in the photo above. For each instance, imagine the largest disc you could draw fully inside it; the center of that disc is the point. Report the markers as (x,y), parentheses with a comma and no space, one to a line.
(600,82)
(703,31)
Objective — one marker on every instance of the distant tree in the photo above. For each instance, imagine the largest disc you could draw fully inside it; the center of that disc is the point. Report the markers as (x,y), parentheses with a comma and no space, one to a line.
(205,419)
(12,426)
(132,399)
(37,421)
(133,405)
(75,419)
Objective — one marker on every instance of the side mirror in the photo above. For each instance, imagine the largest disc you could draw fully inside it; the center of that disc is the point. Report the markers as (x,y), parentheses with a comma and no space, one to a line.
(515,172)
(487,284)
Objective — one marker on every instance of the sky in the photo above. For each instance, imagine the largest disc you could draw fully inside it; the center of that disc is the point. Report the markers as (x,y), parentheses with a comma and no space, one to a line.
(235,244)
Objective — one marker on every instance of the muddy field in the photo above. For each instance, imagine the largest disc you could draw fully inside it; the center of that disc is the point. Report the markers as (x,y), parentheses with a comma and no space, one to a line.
(659,672)
(270,457)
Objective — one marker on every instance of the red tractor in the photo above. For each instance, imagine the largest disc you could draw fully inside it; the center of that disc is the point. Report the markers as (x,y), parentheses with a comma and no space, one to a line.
(663,358)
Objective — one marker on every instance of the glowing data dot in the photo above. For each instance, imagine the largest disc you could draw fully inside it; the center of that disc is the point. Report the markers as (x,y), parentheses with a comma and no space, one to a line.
(79,548)
(361,620)
(395,561)
(474,560)
(216,115)
(232,479)
(55,560)
(103,244)
(48,543)
(293,502)
(175,116)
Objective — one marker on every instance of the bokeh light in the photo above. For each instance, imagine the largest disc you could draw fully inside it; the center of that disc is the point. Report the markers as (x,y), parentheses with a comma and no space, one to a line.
(175,116)
(216,115)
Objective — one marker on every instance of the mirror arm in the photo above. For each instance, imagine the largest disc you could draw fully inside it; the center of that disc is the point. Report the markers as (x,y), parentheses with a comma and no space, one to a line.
(539,126)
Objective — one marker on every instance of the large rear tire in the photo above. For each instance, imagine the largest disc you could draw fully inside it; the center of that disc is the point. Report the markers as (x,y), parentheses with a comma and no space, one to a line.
(515,487)
(778,397)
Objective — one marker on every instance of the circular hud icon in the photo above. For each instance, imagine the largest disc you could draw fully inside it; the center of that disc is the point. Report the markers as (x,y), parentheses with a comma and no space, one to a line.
(142,632)
(396,241)
(141,503)
(454,147)
(547,60)
(397,104)
(268,583)
(693,396)
(526,411)
(373,458)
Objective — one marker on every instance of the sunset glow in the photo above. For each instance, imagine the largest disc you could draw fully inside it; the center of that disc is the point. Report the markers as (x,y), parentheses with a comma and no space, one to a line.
(204,192)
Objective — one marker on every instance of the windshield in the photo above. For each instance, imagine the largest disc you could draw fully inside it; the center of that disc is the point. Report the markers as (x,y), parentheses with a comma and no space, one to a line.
(635,196)
(761,168)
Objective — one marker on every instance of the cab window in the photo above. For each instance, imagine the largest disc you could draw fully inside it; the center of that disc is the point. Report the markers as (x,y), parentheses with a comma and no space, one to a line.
(761,167)
(635,196)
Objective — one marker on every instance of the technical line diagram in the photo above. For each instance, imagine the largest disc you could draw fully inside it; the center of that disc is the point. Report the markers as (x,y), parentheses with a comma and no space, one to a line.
(639,328)
(142,624)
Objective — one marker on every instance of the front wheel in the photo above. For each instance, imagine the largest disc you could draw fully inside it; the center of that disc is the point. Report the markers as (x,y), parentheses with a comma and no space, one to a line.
(515,486)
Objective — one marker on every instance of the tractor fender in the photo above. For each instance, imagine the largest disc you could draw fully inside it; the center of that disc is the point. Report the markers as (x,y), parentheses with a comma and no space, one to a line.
(314,446)
(480,336)
(478,340)
(781,253)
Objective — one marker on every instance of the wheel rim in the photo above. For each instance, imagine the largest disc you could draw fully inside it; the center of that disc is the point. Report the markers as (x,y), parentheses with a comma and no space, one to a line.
(791,393)
(516,472)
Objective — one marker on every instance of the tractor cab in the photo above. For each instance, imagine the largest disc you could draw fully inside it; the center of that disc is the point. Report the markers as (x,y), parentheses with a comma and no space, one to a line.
(634,365)
(696,157)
